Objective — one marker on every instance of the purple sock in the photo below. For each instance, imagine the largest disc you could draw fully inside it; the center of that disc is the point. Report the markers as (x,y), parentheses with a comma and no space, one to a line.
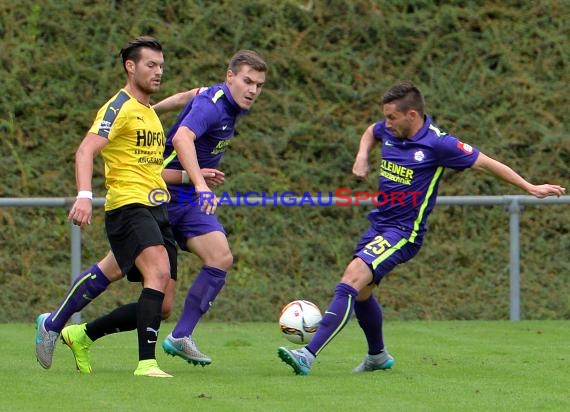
(335,318)
(200,297)
(369,315)
(86,287)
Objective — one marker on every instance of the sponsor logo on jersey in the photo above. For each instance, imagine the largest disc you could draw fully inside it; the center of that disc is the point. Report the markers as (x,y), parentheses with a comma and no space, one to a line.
(464,147)
(150,138)
(419,156)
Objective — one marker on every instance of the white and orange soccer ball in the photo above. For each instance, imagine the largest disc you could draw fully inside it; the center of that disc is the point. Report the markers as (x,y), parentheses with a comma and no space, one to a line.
(299,321)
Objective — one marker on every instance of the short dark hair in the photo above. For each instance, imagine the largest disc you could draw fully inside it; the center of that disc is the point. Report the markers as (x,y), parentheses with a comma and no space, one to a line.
(132,51)
(247,58)
(405,95)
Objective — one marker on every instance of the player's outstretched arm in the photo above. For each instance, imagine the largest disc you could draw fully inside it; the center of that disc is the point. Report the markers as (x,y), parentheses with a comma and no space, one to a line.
(361,166)
(486,164)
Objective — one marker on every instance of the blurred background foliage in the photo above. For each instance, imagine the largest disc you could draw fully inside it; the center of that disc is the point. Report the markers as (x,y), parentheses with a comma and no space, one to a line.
(495,74)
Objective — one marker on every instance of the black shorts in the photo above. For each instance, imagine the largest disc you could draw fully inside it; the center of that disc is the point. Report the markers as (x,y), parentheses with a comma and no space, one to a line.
(133,228)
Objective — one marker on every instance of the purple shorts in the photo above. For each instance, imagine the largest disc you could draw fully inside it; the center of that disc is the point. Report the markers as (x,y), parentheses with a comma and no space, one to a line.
(188,221)
(382,250)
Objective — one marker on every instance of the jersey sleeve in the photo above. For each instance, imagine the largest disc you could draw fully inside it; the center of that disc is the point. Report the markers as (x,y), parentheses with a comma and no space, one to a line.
(455,154)
(201,117)
(378,130)
(109,119)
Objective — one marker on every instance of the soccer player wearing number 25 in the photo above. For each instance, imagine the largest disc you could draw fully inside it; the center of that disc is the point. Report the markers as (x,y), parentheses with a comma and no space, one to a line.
(414,155)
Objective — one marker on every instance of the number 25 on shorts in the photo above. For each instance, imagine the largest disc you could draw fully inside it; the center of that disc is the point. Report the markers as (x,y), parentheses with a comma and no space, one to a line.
(377,246)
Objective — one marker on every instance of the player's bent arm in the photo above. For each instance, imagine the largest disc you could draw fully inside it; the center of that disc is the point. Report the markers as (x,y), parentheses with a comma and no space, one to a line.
(175,176)
(361,167)
(176,101)
(486,164)
(183,142)
(90,146)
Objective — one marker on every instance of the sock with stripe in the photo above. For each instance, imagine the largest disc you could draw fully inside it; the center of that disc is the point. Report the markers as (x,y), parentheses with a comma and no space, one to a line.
(335,317)
(86,287)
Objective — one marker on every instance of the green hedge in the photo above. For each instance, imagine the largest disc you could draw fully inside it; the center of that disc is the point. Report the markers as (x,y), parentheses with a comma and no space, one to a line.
(494,74)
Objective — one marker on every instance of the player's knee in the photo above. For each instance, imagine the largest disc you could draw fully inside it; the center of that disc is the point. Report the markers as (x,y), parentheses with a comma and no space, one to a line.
(350,277)
(357,274)
(157,279)
(228,260)
(223,261)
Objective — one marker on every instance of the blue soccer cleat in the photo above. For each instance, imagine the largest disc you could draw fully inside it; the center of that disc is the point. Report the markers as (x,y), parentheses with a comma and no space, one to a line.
(295,358)
(45,342)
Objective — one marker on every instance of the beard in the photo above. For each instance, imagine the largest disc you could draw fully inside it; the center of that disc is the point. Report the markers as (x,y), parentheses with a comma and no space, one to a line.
(149,87)
(403,132)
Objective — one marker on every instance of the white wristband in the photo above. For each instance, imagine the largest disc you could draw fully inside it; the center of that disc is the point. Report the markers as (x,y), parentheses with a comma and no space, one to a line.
(185,178)
(84,194)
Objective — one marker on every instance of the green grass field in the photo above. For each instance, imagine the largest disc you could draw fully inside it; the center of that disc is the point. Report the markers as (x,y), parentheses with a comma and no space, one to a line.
(440,366)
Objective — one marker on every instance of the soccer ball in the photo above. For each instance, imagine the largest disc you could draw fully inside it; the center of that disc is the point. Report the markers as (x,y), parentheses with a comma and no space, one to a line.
(299,321)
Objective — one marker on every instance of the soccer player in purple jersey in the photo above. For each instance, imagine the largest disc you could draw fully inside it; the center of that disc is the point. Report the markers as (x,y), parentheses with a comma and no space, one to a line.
(415,153)
(198,140)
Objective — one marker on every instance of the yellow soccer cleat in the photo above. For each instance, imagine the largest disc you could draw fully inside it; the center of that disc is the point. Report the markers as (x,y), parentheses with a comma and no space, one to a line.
(75,337)
(150,368)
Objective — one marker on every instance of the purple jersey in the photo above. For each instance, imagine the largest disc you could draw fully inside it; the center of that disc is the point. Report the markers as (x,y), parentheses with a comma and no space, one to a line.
(212,116)
(410,172)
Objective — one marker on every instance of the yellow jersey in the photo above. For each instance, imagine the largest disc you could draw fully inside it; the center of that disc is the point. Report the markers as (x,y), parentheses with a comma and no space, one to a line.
(134,155)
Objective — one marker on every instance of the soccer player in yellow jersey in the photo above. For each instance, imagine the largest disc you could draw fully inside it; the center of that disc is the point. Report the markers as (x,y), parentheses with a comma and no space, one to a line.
(130,137)
(94,280)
